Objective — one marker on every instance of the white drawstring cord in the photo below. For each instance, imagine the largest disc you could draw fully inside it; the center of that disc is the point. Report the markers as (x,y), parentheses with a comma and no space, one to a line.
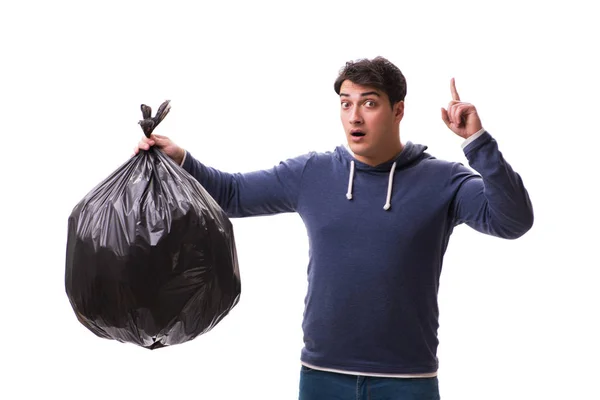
(389,193)
(350,181)
(390,184)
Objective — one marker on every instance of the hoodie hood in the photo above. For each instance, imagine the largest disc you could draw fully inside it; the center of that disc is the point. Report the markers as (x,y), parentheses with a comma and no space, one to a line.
(410,153)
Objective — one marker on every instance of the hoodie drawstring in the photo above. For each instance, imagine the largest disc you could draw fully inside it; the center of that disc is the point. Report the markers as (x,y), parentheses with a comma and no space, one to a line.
(350,181)
(388,199)
(390,183)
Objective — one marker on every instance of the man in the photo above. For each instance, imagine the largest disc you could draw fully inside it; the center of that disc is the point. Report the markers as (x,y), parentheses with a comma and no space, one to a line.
(378,219)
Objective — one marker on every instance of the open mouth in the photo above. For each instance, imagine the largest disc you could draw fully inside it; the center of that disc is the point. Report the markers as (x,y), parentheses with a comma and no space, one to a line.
(357,133)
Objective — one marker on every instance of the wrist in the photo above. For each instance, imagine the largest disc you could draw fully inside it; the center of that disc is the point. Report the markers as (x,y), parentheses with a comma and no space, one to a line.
(471,138)
(180,157)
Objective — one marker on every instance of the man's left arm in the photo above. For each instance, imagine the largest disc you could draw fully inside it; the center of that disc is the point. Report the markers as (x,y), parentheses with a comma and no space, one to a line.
(496,201)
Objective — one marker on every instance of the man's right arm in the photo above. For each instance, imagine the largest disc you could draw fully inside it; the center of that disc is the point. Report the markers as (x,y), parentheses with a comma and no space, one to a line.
(264,192)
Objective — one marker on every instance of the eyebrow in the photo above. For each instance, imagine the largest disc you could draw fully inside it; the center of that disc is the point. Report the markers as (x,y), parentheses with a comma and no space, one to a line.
(362,94)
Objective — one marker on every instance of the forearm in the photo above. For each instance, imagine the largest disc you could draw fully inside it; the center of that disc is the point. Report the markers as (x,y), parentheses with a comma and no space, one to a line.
(265,192)
(497,203)
(220,185)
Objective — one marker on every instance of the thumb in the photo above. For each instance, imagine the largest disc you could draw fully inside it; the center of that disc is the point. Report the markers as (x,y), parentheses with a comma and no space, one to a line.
(160,140)
(445,117)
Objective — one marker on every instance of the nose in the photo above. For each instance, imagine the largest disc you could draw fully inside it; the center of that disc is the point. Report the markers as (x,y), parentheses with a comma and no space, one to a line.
(355,116)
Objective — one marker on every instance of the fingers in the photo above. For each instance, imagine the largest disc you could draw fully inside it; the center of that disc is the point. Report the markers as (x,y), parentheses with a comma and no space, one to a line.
(455,107)
(160,140)
(457,112)
(154,140)
(145,143)
(455,95)
(452,112)
(452,117)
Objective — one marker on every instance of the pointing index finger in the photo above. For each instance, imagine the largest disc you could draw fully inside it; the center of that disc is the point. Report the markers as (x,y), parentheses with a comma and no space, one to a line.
(455,95)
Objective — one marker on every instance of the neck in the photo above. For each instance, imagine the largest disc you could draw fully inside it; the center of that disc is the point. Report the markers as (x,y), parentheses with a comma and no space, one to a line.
(387,153)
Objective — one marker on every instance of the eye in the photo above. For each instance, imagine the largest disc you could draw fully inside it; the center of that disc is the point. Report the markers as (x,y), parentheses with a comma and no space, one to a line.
(370,103)
(345,104)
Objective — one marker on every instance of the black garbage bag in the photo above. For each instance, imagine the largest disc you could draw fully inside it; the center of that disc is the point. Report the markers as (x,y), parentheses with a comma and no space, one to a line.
(151,257)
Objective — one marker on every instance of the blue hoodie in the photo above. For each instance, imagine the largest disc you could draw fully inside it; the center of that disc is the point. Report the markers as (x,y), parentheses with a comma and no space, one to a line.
(374,265)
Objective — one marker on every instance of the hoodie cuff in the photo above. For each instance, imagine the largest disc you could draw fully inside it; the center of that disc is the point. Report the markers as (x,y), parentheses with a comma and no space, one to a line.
(472,138)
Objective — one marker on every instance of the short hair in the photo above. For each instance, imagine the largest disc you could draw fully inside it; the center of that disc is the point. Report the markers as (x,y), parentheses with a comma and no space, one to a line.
(379,73)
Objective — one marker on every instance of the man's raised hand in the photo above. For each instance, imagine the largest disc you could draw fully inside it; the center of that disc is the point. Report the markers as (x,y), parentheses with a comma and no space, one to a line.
(460,117)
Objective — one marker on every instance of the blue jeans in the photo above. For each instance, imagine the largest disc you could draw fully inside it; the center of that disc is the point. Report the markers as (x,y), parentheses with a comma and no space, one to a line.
(322,385)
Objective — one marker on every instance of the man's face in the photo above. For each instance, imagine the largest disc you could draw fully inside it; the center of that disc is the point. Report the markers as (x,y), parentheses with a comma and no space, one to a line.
(371,125)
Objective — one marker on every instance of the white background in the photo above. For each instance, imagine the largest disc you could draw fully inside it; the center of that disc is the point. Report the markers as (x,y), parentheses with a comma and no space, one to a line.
(251,84)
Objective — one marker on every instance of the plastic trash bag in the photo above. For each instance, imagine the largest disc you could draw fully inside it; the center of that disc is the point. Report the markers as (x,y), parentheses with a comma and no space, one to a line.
(151,257)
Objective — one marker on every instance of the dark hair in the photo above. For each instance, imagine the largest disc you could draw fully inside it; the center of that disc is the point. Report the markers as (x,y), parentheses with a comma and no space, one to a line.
(379,73)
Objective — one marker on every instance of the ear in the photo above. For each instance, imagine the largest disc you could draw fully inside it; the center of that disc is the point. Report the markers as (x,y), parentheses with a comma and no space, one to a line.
(398,111)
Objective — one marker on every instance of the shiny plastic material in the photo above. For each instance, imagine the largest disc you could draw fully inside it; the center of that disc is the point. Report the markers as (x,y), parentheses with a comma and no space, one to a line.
(151,257)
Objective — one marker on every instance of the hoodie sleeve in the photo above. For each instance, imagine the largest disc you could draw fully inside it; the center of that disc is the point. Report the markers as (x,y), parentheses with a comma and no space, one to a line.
(496,201)
(264,192)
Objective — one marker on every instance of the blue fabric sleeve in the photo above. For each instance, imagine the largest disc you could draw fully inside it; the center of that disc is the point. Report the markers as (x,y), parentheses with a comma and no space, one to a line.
(496,201)
(264,192)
